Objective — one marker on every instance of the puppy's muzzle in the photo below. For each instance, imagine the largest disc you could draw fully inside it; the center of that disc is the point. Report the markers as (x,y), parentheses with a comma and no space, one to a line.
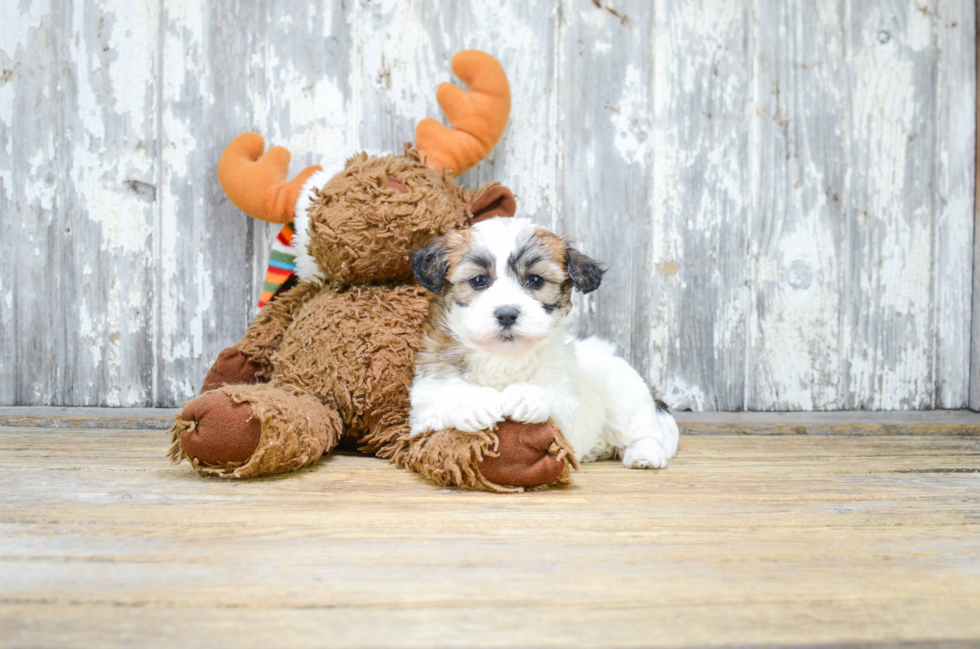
(507,316)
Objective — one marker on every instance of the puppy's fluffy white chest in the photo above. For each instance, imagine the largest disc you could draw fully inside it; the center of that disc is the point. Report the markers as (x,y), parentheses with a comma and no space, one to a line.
(554,356)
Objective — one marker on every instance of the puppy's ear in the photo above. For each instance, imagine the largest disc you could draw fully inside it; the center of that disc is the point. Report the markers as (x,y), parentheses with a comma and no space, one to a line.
(585,272)
(429,265)
(490,201)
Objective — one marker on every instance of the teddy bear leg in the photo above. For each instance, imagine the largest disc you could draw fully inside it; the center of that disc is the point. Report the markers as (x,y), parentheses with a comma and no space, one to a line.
(510,459)
(232,367)
(244,431)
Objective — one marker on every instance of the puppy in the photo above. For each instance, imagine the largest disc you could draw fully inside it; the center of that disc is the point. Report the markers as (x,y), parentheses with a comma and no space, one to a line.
(496,347)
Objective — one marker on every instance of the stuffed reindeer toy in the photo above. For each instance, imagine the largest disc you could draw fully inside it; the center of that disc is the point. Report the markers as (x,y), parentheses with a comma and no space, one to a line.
(332,356)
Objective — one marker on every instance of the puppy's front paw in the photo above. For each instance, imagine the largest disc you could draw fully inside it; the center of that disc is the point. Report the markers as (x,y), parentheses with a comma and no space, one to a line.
(478,415)
(526,403)
(645,453)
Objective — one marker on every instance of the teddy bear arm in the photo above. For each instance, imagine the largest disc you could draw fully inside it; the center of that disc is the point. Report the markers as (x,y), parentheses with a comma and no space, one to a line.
(265,333)
(510,459)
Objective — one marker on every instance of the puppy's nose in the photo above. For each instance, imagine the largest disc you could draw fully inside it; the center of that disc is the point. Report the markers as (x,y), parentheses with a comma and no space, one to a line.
(506,315)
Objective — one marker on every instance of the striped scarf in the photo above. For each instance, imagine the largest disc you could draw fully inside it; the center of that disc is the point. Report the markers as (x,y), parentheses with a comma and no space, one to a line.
(282,264)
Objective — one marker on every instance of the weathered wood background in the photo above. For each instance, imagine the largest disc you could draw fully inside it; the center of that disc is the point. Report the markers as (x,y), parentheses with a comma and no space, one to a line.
(783,189)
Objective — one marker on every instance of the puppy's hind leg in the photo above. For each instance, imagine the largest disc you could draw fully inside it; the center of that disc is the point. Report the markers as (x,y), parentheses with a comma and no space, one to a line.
(651,440)
(641,430)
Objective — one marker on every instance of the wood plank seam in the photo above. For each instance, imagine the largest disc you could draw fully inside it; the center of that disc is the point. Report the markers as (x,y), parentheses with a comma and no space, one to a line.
(975,329)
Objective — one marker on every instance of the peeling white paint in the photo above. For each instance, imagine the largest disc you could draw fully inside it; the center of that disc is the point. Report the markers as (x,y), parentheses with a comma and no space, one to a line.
(631,119)
(89,332)
(680,396)
(798,250)
(132,23)
(179,138)
(320,110)
(920,27)
(124,221)
(21,22)
(205,295)
(890,336)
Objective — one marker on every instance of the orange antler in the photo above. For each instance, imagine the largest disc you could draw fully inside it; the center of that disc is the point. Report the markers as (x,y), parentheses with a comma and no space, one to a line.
(256,182)
(478,117)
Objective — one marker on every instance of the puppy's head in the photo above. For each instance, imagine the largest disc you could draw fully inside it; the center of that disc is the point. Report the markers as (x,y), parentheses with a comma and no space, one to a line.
(504,283)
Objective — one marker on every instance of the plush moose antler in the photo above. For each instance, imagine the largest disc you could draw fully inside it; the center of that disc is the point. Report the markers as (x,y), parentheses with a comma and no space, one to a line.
(256,182)
(478,117)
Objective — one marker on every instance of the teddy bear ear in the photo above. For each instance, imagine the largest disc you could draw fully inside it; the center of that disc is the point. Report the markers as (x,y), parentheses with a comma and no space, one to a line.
(490,201)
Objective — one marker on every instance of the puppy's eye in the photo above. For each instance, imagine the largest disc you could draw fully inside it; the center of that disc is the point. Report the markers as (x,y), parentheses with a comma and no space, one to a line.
(533,281)
(478,282)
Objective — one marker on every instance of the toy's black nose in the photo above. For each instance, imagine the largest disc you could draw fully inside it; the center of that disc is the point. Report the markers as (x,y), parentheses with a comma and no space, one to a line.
(506,316)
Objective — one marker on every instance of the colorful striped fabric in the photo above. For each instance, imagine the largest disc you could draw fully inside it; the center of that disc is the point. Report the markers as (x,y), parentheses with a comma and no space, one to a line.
(282,264)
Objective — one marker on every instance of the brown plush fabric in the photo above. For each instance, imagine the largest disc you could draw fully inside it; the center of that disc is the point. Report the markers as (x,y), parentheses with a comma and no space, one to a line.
(296,430)
(353,347)
(527,455)
(265,332)
(339,352)
(231,366)
(490,201)
(364,227)
(219,430)
(451,458)
(509,459)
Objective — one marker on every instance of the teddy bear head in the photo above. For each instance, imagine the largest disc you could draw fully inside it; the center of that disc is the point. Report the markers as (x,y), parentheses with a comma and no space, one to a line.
(364,223)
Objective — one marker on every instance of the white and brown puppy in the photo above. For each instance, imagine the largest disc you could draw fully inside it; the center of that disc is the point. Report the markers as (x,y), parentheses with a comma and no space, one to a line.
(496,347)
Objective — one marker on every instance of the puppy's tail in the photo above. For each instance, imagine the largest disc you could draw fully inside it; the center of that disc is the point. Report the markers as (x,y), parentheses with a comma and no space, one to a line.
(661,406)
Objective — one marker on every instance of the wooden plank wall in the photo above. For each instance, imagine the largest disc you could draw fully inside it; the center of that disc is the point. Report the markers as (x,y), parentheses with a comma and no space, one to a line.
(783,189)
(975,333)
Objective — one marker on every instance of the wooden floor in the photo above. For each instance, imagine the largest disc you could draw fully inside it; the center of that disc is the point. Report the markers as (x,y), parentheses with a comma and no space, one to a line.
(762,539)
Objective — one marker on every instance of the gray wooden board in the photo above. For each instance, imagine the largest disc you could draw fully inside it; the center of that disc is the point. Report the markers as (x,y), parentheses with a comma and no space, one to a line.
(844,423)
(783,191)
(975,330)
